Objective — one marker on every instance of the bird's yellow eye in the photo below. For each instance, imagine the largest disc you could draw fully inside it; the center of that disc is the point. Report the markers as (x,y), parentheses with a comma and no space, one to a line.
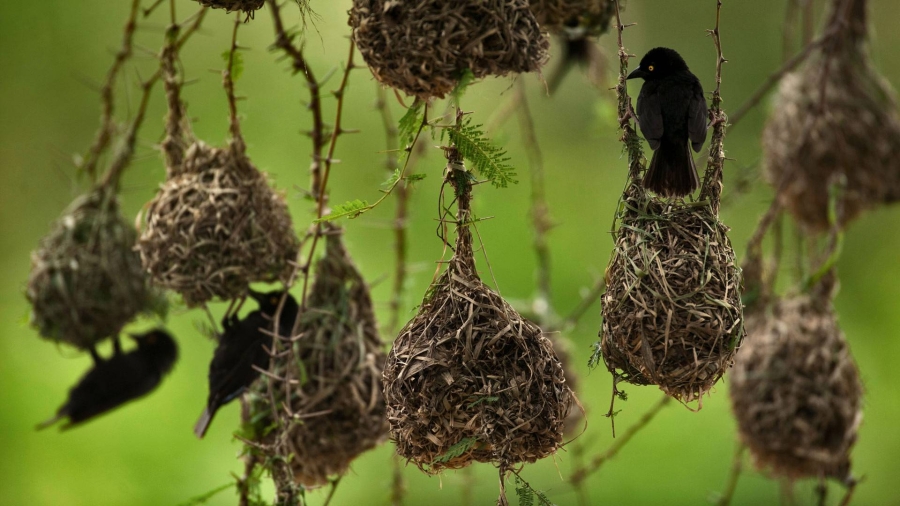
(650,68)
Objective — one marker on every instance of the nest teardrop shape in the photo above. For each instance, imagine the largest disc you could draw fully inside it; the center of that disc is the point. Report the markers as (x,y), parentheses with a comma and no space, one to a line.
(215,227)
(86,280)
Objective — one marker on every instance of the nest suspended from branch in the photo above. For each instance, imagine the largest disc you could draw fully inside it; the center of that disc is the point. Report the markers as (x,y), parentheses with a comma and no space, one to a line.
(247,6)
(796,392)
(468,379)
(574,17)
(86,280)
(423,47)
(216,226)
(854,129)
(338,363)
(574,421)
(672,313)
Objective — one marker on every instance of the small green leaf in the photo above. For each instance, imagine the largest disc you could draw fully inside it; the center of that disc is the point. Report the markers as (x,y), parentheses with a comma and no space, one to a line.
(464,445)
(237,65)
(410,123)
(465,79)
(352,209)
(391,180)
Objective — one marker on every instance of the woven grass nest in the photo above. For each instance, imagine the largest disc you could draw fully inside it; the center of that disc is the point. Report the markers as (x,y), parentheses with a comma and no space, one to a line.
(468,379)
(854,131)
(86,280)
(246,6)
(672,313)
(423,47)
(338,361)
(589,17)
(795,391)
(215,226)
(573,424)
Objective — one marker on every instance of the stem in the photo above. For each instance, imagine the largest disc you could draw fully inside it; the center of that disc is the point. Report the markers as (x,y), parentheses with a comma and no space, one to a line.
(228,82)
(586,302)
(105,133)
(126,152)
(712,187)
(597,462)
(737,465)
(540,211)
(626,112)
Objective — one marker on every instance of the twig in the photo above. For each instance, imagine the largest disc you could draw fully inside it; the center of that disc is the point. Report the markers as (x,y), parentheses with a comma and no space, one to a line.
(737,465)
(334,486)
(629,137)
(540,211)
(597,462)
(586,303)
(125,153)
(398,484)
(712,187)
(107,128)
(228,82)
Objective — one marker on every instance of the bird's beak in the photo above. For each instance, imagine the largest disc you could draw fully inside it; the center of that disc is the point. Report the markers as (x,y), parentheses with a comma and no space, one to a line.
(637,72)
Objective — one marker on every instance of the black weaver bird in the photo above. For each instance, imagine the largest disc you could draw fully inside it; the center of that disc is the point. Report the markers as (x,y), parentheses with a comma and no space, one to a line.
(119,379)
(671,111)
(244,344)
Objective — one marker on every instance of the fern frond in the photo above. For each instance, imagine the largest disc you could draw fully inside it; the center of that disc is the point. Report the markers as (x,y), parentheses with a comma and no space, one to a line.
(489,160)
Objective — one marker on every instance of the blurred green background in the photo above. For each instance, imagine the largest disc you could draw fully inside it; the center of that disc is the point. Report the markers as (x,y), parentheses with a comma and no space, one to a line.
(51,54)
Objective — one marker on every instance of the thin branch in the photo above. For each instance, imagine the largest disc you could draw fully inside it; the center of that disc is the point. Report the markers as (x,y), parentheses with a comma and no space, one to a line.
(107,128)
(712,182)
(398,484)
(737,465)
(540,211)
(125,153)
(630,139)
(586,303)
(597,462)
(228,82)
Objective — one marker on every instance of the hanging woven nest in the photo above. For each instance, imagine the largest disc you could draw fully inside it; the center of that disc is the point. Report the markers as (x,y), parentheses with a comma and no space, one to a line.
(573,424)
(468,379)
(337,365)
(672,313)
(795,391)
(423,47)
(86,280)
(586,17)
(247,6)
(854,130)
(216,226)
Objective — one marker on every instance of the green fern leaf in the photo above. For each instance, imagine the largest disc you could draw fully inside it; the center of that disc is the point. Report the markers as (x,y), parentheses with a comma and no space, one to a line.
(490,161)
(352,209)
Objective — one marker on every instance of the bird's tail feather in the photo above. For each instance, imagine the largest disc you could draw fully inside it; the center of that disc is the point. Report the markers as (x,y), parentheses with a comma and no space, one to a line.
(672,172)
(203,423)
(49,422)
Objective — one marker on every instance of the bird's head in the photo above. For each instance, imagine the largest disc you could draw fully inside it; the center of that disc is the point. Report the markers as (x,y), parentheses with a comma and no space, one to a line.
(159,346)
(269,301)
(659,62)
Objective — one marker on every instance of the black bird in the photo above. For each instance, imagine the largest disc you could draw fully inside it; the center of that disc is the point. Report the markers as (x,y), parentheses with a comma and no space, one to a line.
(671,111)
(121,378)
(243,345)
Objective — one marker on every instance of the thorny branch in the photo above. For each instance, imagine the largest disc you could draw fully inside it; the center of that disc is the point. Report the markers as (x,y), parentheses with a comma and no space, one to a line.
(597,462)
(712,187)
(107,128)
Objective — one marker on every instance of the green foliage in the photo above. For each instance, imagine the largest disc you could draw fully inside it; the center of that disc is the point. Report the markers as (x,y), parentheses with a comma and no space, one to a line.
(465,79)
(528,496)
(460,448)
(411,123)
(487,398)
(237,64)
(595,357)
(490,161)
(351,208)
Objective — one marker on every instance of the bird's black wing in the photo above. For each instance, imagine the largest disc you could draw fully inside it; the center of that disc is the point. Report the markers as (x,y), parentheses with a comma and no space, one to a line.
(697,114)
(109,385)
(650,116)
(240,348)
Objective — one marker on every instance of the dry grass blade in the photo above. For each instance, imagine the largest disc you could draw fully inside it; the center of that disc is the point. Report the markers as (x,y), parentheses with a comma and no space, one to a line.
(423,47)
(248,7)
(468,379)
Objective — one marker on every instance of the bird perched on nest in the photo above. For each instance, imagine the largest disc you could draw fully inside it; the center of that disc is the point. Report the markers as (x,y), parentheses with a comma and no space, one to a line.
(121,378)
(243,345)
(671,111)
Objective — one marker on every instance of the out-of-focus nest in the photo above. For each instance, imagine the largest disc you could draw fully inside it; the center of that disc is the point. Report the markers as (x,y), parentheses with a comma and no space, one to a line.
(586,17)
(86,280)
(795,391)
(247,6)
(854,131)
(215,226)
(468,379)
(672,313)
(423,47)
(338,362)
